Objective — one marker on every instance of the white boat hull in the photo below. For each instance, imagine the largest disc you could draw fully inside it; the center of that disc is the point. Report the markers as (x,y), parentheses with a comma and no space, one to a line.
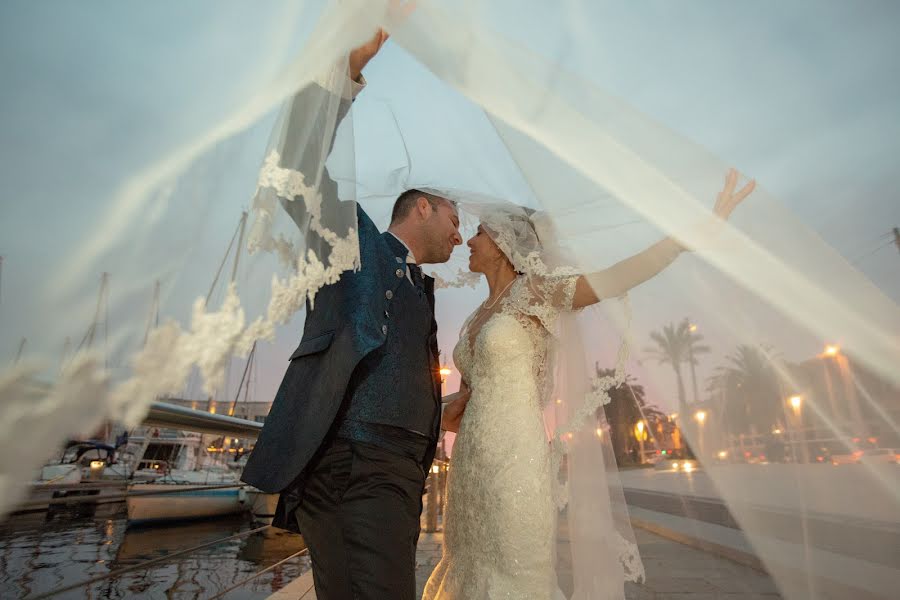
(262,505)
(190,502)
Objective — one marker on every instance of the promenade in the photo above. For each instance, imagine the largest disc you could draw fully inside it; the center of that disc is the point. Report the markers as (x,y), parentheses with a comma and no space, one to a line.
(695,547)
(674,571)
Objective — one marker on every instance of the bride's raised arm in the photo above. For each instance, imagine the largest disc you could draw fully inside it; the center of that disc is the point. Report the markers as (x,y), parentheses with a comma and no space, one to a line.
(635,270)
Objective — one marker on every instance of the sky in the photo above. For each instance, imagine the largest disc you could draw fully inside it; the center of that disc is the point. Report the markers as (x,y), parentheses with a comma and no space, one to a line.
(803,96)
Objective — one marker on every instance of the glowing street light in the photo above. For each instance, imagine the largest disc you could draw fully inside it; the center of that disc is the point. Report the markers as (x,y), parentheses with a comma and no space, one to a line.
(445,371)
(692,328)
(700,415)
(832,350)
(796,401)
(639,434)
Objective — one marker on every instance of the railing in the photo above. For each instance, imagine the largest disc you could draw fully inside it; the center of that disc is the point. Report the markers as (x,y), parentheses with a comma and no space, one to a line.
(436,495)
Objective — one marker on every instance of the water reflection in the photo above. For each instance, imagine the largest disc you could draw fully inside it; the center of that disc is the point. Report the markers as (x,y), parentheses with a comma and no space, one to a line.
(43,552)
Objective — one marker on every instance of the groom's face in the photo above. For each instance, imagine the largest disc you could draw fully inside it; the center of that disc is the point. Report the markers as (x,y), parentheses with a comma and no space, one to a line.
(440,232)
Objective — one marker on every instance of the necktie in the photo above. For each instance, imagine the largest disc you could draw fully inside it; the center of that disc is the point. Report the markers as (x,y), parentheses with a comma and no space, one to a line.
(415,271)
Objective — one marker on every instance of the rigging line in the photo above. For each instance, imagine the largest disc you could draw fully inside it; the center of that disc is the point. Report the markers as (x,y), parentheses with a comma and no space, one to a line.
(237,395)
(237,253)
(20,350)
(224,260)
(92,330)
(871,252)
(867,244)
(153,317)
(260,573)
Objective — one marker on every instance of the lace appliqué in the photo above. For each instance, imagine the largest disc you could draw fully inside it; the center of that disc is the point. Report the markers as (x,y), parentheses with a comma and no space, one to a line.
(597,396)
(461,280)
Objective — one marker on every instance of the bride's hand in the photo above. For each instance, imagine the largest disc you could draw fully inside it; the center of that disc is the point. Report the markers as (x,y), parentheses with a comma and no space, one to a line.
(728,199)
(454,409)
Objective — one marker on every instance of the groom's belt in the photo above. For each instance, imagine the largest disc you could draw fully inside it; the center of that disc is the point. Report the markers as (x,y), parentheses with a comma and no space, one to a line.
(397,440)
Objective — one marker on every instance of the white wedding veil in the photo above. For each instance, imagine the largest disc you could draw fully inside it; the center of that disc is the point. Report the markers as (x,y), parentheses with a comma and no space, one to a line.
(135,139)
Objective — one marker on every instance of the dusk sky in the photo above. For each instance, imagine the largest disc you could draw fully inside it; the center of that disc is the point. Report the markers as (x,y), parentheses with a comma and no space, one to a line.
(802,96)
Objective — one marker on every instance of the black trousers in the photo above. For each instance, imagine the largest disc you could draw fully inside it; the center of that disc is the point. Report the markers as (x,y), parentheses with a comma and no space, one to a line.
(359,515)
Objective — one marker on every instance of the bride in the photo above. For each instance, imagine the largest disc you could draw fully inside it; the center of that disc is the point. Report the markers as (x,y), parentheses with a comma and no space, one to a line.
(500,519)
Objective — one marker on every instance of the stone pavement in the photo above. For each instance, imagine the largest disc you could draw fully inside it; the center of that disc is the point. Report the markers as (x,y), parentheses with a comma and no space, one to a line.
(674,572)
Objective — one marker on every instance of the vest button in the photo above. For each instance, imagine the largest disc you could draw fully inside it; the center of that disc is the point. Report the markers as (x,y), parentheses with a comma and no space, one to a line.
(389,294)
(399,273)
(399,260)
(384,329)
(387,315)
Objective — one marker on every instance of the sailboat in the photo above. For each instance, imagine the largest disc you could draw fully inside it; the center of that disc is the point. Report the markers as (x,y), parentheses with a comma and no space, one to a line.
(193,484)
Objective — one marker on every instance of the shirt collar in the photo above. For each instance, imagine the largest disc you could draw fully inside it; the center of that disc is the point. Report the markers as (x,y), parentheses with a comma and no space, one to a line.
(410,258)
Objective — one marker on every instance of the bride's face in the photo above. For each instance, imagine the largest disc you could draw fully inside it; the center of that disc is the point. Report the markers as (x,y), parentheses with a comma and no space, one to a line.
(483,252)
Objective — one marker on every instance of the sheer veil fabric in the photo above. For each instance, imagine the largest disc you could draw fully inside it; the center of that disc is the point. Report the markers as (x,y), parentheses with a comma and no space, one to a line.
(131,158)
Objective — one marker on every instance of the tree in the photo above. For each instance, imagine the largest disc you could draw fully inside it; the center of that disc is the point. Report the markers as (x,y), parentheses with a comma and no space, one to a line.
(627,406)
(749,388)
(676,345)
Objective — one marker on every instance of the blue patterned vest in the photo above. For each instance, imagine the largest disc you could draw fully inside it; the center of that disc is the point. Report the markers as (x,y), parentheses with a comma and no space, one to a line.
(397,384)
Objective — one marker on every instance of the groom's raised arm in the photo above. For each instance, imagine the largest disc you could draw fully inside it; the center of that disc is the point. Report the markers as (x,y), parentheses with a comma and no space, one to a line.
(310,127)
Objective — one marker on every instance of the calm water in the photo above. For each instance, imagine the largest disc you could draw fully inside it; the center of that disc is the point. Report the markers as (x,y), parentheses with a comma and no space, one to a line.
(43,552)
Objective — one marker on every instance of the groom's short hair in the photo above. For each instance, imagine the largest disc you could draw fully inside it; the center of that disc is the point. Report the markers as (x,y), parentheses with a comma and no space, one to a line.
(407,201)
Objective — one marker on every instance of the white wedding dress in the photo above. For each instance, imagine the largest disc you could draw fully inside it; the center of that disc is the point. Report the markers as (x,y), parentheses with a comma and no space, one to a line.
(500,518)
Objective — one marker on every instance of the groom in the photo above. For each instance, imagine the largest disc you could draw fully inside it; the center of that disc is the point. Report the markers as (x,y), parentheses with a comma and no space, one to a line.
(354,426)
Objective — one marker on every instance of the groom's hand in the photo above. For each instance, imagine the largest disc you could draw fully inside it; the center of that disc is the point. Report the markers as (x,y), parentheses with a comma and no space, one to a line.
(454,410)
(361,56)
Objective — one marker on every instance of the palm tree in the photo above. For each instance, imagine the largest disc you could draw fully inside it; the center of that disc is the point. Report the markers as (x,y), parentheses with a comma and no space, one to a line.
(750,389)
(676,345)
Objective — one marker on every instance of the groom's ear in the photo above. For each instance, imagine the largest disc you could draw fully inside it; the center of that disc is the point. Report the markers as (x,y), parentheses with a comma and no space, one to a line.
(423,207)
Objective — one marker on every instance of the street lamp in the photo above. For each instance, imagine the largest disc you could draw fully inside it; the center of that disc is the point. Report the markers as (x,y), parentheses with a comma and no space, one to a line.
(431,515)
(676,432)
(796,402)
(700,416)
(692,328)
(639,434)
(832,350)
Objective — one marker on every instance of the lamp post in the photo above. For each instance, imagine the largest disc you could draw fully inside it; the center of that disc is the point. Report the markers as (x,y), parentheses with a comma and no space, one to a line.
(692,328)
(849,404)
(445,372)
(796,403)
(700,416)
(676,432)
(639,434)
(436,475)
